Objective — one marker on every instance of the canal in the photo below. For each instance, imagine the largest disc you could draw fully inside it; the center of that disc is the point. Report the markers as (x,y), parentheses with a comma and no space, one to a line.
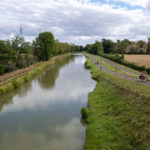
(44,114)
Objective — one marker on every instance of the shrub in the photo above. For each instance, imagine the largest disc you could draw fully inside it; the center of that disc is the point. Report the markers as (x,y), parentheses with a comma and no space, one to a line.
(1,90)
(15,84)
(26,78)
(2,70)
(84,112)
(87,64)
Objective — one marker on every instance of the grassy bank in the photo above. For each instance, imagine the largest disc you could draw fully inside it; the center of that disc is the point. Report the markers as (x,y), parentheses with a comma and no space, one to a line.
(120,60)
(20,77)
(119,113)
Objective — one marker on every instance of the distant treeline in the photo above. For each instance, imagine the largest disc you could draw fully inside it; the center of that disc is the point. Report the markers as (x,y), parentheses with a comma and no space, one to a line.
(17,53)
(109,49)
(120,47)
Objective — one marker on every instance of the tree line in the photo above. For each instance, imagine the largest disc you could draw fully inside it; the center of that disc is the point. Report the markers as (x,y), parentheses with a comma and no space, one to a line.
(119,47)
(17,53)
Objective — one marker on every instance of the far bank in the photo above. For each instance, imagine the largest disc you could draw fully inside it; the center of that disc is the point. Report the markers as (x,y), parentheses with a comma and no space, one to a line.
(15,79)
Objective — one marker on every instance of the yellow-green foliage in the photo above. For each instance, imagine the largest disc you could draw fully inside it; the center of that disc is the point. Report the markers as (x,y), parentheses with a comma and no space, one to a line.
(118,117)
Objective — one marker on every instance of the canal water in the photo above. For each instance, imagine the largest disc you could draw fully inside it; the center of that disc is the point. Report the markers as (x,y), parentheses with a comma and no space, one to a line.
(44,114)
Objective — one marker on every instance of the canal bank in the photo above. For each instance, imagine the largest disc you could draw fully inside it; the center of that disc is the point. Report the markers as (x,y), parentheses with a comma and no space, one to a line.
(15,79)
(118,113)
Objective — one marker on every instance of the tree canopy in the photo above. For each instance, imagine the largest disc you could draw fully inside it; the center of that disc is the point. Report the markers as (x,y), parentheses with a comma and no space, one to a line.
(44,46)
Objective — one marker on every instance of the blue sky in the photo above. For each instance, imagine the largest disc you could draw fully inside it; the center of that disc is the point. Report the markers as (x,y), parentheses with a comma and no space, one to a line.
(76,21)
(118,4)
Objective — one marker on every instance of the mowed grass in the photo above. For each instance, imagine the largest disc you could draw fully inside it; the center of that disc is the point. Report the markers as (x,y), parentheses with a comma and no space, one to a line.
(119,113)
(141,60)
(106,65)
(111,67)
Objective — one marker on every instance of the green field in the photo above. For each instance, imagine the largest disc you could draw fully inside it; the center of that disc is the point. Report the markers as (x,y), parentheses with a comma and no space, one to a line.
(119,113)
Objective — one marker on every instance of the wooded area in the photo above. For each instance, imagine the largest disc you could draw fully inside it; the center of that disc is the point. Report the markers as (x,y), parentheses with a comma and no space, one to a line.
(17,53)
(120,47)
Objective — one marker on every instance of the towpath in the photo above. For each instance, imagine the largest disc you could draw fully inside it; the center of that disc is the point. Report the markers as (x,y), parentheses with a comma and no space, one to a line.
(117,74)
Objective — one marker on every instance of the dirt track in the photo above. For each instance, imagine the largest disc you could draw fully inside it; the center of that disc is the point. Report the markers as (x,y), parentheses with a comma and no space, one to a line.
(117,74)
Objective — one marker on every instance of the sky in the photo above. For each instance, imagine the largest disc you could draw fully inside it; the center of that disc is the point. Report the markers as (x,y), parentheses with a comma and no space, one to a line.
(76,21)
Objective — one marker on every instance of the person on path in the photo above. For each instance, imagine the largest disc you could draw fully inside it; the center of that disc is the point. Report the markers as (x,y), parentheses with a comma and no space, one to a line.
(144,76)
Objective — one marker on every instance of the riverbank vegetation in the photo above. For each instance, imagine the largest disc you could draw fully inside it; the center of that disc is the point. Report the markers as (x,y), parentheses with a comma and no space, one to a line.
(15,80)
(17,53)
(118,113)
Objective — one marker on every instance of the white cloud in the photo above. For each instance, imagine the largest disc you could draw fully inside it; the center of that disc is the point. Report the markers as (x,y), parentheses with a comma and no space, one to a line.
(78,21)
(148,5)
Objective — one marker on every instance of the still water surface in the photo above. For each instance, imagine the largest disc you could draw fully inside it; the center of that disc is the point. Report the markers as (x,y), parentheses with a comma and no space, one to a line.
(44,114)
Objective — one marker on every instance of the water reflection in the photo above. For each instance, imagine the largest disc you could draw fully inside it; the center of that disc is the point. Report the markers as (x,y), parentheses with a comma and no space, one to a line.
(47,80)
(56,138)
(45,113)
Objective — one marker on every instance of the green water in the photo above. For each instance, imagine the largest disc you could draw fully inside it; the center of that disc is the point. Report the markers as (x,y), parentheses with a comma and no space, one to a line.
(44,114)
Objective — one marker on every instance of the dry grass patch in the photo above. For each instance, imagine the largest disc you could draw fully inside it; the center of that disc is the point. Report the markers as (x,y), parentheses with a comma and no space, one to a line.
(141,60)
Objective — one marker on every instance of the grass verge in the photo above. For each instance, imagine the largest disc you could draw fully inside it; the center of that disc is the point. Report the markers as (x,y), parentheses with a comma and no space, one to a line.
(120,60)
(119,111)
(20,79)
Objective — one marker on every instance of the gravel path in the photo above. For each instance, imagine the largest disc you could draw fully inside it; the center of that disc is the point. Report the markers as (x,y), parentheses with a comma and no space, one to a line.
(117,74)
(118,66)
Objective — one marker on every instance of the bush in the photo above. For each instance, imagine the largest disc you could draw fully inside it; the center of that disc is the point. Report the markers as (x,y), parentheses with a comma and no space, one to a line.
(87,64)
(1,91)
(26,78)
(15,84)
(2,70)
(84,113)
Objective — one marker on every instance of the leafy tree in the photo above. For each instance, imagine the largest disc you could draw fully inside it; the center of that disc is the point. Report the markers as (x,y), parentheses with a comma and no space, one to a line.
(108,46)
(61,48)
(44,46)
(75,48)
(121,46)
(16,45)
(95,48)
(17,42)
(148,47)
(126,41)
(5,48)
(140,44)
(7,56)
(133,50)
(81,48)
(25,48)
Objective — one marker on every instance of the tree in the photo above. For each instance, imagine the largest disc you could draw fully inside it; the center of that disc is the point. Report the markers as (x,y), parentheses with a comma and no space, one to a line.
(44,46)
(148,47)
(25,48)
(7,56)
(108,46)
(141,44)
(97,48)
(17,42)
